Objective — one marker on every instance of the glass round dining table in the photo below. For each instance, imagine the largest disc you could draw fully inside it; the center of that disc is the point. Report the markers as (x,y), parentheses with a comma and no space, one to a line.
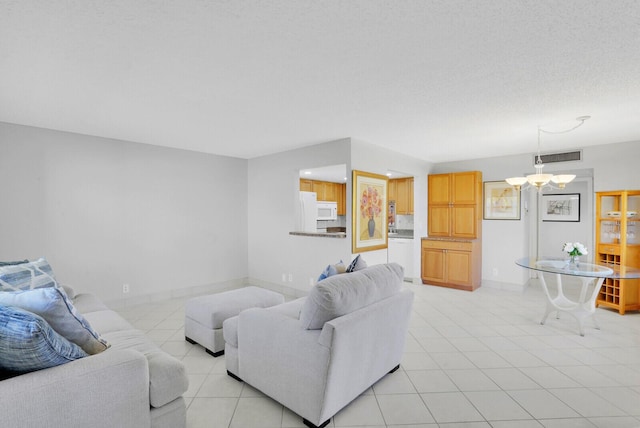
(589,274)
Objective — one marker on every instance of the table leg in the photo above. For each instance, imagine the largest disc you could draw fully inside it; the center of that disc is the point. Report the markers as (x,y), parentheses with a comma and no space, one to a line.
(550,306)
(582,309)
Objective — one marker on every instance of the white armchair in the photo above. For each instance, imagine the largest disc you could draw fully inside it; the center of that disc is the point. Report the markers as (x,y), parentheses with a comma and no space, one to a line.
(316,371)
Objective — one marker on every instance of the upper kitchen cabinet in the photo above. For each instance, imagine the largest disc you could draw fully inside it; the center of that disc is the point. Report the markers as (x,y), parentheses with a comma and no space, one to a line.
(324,190)
(341,189)
(306,185)
(401,191)
(327,191)
(455,205)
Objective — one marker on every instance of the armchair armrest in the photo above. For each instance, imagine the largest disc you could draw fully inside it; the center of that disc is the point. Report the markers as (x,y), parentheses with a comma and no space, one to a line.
(283,360)
(104,390)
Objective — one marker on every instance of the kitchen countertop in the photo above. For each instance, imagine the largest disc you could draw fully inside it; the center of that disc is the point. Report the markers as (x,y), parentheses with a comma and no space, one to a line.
(402,234)
(321,234)
(438,238)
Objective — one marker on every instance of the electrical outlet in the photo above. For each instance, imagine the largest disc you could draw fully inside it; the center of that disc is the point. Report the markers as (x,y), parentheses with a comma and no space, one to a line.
(125,288)
(284,277)
(290,277)
(495,271)
(311,281)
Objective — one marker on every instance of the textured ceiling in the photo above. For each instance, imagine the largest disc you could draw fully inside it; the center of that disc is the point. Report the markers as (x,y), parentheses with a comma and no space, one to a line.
(438,79)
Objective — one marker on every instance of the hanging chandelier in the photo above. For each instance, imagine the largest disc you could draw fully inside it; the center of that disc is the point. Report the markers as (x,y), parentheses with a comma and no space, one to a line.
(540,180)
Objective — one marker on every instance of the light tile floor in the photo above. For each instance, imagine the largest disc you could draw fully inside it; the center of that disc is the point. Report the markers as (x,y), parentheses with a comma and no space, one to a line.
(472,360)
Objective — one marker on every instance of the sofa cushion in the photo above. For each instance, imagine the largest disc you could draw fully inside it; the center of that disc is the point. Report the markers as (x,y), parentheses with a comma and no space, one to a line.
(26,276)
(28,343)
(167,375)
(106,321)
(341,294)
(87,302)
(55,307)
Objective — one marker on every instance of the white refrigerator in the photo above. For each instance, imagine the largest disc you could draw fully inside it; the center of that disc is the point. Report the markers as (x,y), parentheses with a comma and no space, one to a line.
(307,212)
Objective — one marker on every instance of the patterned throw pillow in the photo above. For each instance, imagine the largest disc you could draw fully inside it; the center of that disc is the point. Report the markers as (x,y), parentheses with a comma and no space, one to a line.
(53,305)
(13,263)
(331,270)
(27,276)
(357,264)
(28,343)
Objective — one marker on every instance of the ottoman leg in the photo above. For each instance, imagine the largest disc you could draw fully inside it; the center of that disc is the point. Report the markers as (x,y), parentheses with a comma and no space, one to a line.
(214,354)
(191,341)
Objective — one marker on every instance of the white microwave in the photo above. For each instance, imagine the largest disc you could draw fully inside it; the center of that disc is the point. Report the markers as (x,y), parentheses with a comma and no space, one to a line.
(327,210)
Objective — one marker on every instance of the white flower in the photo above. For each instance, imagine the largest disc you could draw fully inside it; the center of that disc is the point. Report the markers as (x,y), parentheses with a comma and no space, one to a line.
(575,249)
(582,250)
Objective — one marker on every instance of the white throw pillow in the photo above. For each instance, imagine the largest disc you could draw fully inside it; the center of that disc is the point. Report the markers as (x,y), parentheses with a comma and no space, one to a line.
(53,305)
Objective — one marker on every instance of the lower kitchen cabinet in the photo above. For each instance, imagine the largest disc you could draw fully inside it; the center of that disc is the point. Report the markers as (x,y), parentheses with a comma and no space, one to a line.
(451,263)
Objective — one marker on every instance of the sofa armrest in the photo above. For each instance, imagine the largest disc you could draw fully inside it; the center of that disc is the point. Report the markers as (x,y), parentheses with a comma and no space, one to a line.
(105,390)
(283,360)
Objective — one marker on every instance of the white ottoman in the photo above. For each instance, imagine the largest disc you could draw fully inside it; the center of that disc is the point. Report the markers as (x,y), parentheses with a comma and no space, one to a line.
(204,315)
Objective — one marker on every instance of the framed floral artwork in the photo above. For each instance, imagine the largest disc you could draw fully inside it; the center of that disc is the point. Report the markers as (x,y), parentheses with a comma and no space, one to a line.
(501,201)
(369,220)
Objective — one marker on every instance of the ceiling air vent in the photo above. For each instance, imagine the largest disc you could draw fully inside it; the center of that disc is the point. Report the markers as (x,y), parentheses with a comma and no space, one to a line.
(560,157)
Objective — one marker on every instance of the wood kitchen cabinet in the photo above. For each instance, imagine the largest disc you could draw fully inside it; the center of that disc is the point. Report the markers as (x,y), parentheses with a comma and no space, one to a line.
(326,191)
(452,254)
(306,185)
(342,198)
(455,205)
(401,191)
(454,264)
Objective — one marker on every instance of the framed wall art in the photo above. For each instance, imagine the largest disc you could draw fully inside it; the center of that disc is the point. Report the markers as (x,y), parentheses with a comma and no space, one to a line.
(501,201)
(369,218)
(564,207)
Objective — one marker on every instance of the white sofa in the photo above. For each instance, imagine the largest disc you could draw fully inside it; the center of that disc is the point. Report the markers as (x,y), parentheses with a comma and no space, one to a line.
(316,354)
(132,384)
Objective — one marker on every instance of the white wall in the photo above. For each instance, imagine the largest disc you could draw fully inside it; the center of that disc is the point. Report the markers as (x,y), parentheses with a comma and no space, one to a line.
(273,182)
(107,212)
(378,160)
(553,235)
(614,166)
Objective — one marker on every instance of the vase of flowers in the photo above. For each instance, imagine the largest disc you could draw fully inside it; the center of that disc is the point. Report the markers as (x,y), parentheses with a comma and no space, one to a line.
(574,250)
(370,207)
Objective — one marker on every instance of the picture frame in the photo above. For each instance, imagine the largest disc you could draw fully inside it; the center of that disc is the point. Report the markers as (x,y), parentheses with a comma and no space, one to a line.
(370,210)
(560,207)
(501,201)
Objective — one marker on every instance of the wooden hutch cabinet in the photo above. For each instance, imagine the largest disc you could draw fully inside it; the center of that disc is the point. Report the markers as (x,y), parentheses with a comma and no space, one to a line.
(452,252)
(618,242)
(455,205)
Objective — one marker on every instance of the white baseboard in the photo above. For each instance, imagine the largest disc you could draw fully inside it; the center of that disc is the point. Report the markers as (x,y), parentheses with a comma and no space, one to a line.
(286,290)
(178,293)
